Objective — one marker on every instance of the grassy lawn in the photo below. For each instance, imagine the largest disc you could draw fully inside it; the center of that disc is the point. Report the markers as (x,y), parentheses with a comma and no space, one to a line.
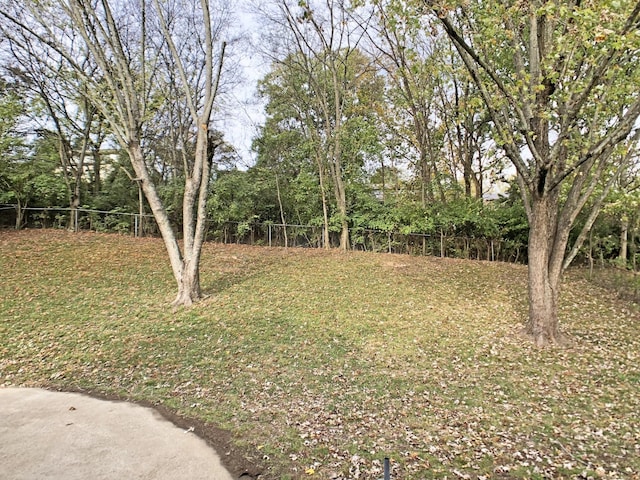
(323,363)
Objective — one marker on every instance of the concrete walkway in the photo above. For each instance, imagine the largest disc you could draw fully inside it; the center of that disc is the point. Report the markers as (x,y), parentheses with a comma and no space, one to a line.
(53,435)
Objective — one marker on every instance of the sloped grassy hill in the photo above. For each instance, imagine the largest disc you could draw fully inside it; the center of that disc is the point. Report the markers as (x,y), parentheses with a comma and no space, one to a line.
(322,363)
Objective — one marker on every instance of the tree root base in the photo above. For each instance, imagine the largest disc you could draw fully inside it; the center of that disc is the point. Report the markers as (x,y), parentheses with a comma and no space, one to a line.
(546,340)
(184,300)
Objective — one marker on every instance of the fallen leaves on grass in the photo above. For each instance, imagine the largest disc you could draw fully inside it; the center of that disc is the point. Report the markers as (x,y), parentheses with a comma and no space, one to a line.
(328,362)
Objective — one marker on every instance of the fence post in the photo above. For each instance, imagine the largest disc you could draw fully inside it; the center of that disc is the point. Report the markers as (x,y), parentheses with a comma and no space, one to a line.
(135,225)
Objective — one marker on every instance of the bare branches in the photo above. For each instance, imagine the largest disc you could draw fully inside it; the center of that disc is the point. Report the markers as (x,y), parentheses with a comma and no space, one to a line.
(178,62)
(123,80)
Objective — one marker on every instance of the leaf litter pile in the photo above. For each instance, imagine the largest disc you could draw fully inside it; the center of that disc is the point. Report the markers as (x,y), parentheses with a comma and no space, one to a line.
(324,363)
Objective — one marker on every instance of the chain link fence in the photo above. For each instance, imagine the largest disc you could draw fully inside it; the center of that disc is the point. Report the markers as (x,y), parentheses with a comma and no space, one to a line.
(113,221)
(271,234)
(625,282)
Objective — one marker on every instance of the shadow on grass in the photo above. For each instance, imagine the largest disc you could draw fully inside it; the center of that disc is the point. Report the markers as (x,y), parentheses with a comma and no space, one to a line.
(225,269)
(220,284)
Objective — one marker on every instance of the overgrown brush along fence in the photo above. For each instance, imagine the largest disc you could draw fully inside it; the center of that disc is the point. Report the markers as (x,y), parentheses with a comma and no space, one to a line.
(273,234)
(626,283)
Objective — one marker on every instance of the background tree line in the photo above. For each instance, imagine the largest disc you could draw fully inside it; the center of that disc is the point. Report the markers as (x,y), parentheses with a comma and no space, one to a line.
(383,199)
(417,148)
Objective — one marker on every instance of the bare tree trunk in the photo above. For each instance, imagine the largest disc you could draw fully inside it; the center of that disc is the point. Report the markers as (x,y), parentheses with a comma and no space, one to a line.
(162,219)
(344,235)
(77,183)
(342,209)
(140,211)
(326,241)
(624,239)
(426,176)
(336,164)
(97,169)
(189,285)
(19,213)
(194,227)
(330,47)
(282,218)
(194,200)
(591,255)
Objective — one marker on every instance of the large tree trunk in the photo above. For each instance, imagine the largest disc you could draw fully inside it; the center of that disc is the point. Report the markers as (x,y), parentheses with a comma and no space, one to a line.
(539,118)
(544,276)
(185,285)
(194,219)
(113,79)
(189,284)
(543,299)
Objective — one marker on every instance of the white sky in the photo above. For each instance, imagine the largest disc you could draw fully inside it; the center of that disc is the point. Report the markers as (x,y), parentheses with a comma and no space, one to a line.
(245,113)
